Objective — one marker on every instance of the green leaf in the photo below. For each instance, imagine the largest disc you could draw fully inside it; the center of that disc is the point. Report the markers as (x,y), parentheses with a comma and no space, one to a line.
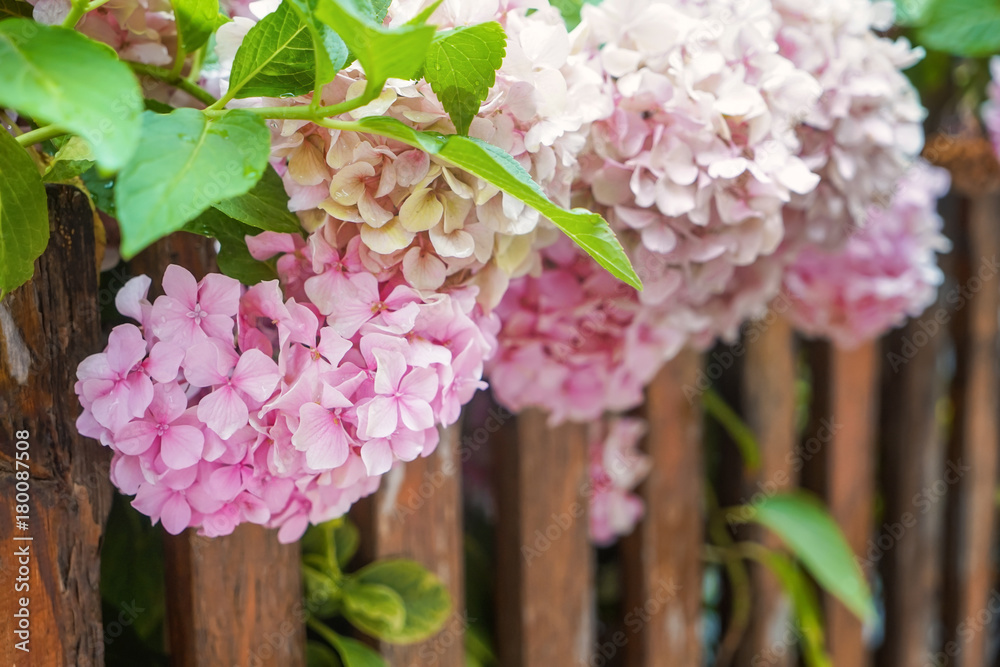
(384,53)
(24,218)
(911,12)
(424,597)
(234,258)
(812,535)
(196,21)
(49,73)
(806,606)
(265,206)
(570,10)
(329,51)
(14,9)
(72,159)
(461,68)
(318,655)
(186,163)
(347,539)
(375,609)
(276,58)
(587,229)
(962,27)
(741,434)
(355,654)
(322,593)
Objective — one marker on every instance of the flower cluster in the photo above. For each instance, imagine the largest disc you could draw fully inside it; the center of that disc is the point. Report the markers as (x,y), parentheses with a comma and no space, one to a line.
(617,466)
(575,340)
(415,214)
(991,108)
(226,408)
(884,273)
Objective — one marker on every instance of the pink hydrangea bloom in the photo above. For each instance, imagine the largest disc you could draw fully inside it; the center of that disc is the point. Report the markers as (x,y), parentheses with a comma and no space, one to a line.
(576,341)
(617,467)
(991,108)
(884,273)
(257,407)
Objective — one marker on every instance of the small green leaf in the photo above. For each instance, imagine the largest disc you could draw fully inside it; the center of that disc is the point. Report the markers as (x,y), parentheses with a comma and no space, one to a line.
(14,9)
(265,206)
(812,535)
(587,229)
(425,598)
(461,68)
(322,594)
(570,10)
(347,539)
(355,654)
(196,21)
(374,609)
(186,163)
(384,53)
(24,218)
(318,655)
(49,73)
(962,27)
(329,51)
(276,58)
(234,258)
(72,159)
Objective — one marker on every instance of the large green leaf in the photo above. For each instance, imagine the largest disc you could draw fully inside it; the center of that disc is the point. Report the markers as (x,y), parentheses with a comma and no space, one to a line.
(234,258)
(962,27)
(812,535)
(329,51)
(24,219)
(355,654)
(384,53)
(265,206)
(461,68)
(276,58)
(319,655)
(59,76)
(375,609)
(196,21)
(587,229)
(425,598)
(186,163)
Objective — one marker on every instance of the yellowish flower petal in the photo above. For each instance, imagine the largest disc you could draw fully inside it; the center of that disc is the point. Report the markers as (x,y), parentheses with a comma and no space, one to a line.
(421,211)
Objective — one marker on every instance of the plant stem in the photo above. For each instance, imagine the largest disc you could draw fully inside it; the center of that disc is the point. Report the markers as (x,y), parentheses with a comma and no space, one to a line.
(41,134)
(295,113)
(323,630)
(95,4)
(76,11)
(166,76)
(196,63)
(178,67)
(11,125)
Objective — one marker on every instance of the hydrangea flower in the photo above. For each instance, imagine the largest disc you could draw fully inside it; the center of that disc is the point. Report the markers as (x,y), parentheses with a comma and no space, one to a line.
(617,467)
(885,272)
(257,407)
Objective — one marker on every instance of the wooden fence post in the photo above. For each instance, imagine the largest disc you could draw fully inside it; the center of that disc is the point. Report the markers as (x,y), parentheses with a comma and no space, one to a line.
(662,559)
(971,469)
(912,455)
(768,395)
(545,602)
(232,601)
(841,447)
(417,513)
(46,328)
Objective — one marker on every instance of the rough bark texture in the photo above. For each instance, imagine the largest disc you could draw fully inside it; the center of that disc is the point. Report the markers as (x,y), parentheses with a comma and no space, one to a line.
(662,559)
(545,607)
(768,398)
(971,472)
(46,328)
(417,513)
(234,600)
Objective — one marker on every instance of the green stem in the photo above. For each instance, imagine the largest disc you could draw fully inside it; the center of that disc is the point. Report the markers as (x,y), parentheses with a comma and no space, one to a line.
(166,76)
(10,124)
(294,113)
(197,60)
(76,11)
(178,67)
(323,630)
(41,134)
(95,4)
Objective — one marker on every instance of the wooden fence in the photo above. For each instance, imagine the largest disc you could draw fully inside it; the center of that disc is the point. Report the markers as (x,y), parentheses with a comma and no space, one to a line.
(901,441)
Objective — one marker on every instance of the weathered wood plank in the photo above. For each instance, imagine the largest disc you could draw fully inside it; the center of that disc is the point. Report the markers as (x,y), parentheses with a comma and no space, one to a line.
(545,604)
(233,600)
(971,472)
(661,564)
(46,328)
(417,513)
(768,405)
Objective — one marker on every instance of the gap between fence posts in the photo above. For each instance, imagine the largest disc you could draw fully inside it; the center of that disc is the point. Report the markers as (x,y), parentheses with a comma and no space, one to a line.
(970,608)
(232,601)
(662,559)
(417,514)
(47,327)
(545,563)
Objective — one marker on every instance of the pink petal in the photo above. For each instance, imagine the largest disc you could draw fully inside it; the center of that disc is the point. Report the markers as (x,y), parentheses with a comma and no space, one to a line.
(322,439)
(382,416)
(223,411)
(169,402)
(256,375)
(208,364)
(219,294)
(391,367)
(421,383)
(135,438)
(126,348)
(377,455)
(140,393)
(181,446)
(176,514)
(415,413)
(131,296)
(179,284)
(164,361)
